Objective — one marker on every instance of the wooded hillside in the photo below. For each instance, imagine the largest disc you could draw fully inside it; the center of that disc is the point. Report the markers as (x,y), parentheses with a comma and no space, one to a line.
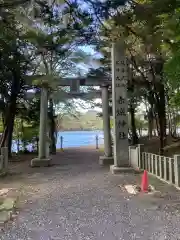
(83,121)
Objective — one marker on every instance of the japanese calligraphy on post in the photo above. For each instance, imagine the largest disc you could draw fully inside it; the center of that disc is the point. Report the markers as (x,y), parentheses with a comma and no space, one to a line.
(120,105)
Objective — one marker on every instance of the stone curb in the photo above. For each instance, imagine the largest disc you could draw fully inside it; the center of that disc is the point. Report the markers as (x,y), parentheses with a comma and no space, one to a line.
(7,209)
(8,204)
(5,216)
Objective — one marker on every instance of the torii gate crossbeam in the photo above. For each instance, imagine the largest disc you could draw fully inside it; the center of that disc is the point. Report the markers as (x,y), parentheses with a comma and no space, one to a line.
(64,82)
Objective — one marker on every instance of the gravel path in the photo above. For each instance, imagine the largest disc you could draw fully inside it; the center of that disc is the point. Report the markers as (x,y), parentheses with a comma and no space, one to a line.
(77,199)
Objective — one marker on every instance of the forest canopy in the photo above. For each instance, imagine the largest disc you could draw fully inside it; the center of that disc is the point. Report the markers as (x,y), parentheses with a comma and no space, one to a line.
(46,38)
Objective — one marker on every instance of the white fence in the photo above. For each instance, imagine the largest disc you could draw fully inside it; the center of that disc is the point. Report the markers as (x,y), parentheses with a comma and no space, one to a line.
(164,168)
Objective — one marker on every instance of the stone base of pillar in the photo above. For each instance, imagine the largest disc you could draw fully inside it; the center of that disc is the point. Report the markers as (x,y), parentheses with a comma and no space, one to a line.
(115,170)
(36,162)
(103,160)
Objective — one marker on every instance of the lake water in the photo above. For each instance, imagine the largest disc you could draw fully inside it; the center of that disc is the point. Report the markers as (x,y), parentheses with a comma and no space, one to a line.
(73,139)
(79,138)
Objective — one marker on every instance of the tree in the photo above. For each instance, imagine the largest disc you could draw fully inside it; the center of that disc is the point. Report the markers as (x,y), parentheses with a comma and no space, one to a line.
(45,48)
(148,44)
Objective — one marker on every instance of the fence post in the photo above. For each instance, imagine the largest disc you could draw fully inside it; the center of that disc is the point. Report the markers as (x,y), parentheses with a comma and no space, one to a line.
(170,170)
(161,162)
(97,145)
(4,158)
(165,168)
(177,170)
(61,139)
(140,150)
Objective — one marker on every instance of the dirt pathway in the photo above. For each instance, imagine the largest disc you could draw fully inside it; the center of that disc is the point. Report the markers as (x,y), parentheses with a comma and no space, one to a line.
(76,199)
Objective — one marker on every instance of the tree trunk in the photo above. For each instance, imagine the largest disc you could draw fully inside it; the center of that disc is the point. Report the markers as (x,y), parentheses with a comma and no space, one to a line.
(156,125)
(3,118)
(170,126)
(175,121)
(150,123)
(23,135)
(52,127)
(10,132)
(6,139)
(132,115)
(161,110)
(133,126)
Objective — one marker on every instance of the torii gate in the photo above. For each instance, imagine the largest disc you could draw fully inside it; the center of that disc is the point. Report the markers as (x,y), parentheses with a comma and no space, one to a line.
(120,158)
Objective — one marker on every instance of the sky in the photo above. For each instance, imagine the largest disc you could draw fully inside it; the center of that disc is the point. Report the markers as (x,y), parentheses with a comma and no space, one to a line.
(89,50)
(88,106)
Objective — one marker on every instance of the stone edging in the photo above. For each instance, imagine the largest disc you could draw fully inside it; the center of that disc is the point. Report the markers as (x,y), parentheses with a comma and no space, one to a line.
(8,207)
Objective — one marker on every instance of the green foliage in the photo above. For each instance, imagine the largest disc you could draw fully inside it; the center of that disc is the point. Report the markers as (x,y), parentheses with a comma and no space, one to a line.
(172,70)
(29,134)
(174,99)
(140,124)
(1,127)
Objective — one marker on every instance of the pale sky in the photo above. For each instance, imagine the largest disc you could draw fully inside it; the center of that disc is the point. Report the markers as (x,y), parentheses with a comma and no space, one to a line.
(88,106)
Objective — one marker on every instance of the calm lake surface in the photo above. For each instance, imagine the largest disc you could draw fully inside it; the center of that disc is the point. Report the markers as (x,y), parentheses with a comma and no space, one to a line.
(79,138)
(73,139)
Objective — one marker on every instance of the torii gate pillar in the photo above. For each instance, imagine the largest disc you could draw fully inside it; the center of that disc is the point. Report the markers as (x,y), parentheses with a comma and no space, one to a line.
(120,108)
(107,158)
(43,159)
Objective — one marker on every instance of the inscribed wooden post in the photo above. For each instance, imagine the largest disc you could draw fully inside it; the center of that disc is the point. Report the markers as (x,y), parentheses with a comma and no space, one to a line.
(120,105)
